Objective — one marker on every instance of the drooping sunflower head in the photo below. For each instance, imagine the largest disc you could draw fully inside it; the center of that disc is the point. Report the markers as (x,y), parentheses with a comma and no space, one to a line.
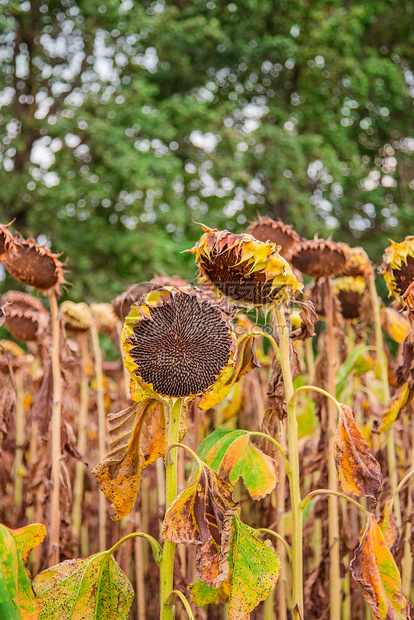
(104,317)
(25,317)
(398,266)
(35,265)
(244,269)
(178,342)
(266,229)
(350,292)
(319,258)
(77,317)
(358,263)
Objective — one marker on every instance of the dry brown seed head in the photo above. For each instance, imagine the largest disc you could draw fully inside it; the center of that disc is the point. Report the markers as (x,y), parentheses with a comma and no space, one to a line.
(266,229)
(319,258)
(181,345)
(105,317)
(22,301)
(77,316)
(34,265)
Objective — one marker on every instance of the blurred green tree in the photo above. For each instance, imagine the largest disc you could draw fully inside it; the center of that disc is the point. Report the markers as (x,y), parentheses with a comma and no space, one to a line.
(122,122)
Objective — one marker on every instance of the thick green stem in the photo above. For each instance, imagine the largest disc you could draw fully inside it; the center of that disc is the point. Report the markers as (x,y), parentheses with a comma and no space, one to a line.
(294,477)
(167,564)
(333,516)
(382,360)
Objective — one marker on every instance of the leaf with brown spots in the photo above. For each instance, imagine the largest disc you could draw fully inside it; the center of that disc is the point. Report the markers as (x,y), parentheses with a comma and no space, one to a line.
(202,594)
(308,319)
(94,588)
(358,472)
(388,526)
(196,516)
(377,576)
(232,455)
(251,564)
(137,439)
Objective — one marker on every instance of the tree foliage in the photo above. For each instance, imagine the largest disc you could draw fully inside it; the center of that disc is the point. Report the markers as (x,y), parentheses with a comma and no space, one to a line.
(123,122)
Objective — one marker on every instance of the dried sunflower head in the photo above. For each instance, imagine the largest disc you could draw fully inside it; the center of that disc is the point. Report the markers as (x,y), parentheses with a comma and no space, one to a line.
(178,343)
(350,292)
(398,267)
(244,269)
(319,258)
(105,317)
(357,263)
(77,317)
(35,265)
(266,229)
(26,318)
(6,239)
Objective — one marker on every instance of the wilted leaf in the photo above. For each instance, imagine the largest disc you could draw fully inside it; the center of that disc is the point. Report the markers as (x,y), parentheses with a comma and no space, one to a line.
(196,516)
(232,456)
(17,601)
(359,473)
(395,324)
(377,576)
(308,319)
(405,371)
(394,407)
(246,360)
(276,387)
(137,439)
(43,406)
(202,594)
(252,565)
(93,588)
(388,526)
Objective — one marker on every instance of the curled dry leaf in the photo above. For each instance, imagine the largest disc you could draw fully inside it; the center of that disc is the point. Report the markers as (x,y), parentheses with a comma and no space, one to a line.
(359,473)
(251,563)
(405,371)
(377,575)
(196,516)
(232,456)
(246,360)
(137,439)
(276,388)
(308,318)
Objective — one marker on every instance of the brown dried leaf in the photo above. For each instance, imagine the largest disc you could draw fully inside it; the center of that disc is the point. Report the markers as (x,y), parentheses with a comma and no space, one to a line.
(377,575)
(137,439)
(359,473)
(196,516)
(7,407)
(43,407)
(405,371)
(308,317)
(276,388)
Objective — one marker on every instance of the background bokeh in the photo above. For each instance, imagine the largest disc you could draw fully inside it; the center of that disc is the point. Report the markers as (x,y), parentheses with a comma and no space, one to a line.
(124,123)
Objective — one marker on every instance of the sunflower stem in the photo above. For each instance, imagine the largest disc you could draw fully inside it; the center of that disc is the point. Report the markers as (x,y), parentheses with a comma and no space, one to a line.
(54,540)
(168,554)
(97,354)
(294,477)
(383,364)
(333,516)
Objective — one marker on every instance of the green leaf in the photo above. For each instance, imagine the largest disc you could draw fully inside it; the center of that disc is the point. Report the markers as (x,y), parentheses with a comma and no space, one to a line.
(232,456)
(252,565)
(93,588)
(202,594)
(356,363)
(17,601)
